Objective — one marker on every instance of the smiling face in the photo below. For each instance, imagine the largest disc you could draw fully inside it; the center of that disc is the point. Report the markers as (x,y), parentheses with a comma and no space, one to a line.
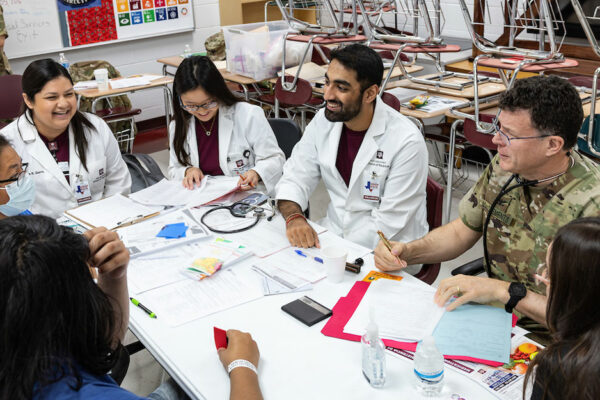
(342,93)
(53,107)
(199,97)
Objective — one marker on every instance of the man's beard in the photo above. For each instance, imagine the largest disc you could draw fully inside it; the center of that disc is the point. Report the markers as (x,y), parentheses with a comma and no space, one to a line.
(346,113)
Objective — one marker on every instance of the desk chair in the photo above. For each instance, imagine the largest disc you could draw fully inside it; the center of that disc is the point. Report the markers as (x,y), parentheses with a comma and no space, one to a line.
(300,100)
(287,132)
(11,100)
(435,202)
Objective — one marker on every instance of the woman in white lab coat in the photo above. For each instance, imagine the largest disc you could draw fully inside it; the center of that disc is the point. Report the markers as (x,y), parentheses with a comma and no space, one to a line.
(73,157)
(216,133)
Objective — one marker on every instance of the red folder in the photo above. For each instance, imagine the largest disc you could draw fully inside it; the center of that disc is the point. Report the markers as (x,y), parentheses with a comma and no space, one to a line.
(345,307)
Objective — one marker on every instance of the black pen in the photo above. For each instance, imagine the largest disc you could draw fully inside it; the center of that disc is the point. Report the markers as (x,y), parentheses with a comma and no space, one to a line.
(143,307)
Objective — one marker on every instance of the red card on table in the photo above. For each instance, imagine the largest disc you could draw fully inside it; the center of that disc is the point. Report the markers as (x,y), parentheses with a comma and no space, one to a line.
(220,338)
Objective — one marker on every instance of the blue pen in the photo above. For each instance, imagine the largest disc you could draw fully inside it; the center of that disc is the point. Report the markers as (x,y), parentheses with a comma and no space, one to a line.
(302,254)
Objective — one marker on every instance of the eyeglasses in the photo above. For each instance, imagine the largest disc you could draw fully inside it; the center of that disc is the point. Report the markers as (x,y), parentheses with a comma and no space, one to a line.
(541,275)
(506,139)
(195,107)
(18,177)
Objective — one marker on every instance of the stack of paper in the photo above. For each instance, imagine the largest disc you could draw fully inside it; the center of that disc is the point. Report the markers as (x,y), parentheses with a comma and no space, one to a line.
(111,212)
(172,193)
(143,80)
(85,85)
(400,310)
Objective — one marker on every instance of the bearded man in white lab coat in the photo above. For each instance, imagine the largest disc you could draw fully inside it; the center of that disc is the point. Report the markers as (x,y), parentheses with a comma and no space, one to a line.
(372,159)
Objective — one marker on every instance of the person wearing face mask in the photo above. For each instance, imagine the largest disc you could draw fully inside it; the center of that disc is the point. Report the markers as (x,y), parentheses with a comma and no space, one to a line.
(372,159)
(17,190)
(216,133)
(72,157)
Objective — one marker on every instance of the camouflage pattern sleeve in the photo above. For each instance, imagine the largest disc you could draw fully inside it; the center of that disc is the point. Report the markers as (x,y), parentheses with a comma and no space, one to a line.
(470,208)
(3,31)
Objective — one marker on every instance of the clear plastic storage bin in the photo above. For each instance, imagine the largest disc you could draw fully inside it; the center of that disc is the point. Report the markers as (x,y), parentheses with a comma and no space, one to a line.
(255,50)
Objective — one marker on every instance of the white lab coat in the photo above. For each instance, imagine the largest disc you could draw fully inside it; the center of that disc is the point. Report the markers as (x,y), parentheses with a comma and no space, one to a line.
(393,149)
(243,131)
(106,172)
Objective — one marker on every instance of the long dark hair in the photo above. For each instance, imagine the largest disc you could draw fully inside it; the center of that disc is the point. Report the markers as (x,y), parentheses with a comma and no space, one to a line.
(36,76)
(196,72)
(54,318)
(570,365)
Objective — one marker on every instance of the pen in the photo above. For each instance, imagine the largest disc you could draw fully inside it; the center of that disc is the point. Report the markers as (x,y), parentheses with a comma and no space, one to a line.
(301,253)
(387,244)
(143,307)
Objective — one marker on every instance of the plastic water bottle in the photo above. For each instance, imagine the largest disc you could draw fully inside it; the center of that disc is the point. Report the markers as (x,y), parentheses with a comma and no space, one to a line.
(373,354)
(62,60)
(429,368)
(187,51)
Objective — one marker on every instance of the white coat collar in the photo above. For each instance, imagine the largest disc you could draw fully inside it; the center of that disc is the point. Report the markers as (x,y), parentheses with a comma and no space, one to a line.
(38,150)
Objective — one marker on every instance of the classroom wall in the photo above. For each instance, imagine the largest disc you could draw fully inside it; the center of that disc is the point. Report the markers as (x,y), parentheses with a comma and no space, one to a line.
(140,55)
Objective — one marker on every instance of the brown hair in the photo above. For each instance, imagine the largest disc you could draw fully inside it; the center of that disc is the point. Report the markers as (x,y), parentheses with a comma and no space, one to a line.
(568,368)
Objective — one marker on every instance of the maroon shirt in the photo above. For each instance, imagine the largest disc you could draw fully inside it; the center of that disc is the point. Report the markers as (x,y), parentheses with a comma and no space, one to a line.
(59,148)
(350,142)
(208,146)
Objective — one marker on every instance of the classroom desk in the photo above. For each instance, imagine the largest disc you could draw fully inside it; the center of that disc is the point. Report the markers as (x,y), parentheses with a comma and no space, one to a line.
(98,95)
(297,362)
(485,89)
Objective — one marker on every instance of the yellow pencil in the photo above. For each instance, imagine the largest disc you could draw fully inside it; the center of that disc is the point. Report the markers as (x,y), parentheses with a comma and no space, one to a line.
(387,244)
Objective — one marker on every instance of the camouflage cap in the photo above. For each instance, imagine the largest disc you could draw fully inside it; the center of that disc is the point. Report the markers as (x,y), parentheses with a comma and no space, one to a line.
(215,46)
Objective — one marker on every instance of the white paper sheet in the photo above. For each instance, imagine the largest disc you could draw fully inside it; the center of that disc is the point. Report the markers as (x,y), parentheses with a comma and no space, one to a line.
(305,268)
(121,83)
(145,274)
(331,239)
(141,240)
(280,281)
(404,310)
(167,193)
(110,212)
(188,300)
(85,85)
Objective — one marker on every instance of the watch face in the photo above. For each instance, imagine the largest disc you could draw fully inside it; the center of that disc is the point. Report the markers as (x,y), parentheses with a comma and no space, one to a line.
(517,289)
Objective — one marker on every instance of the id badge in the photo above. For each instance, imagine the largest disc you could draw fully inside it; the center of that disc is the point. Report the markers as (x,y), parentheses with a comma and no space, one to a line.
(239,167)
(83,193)
(64,167)
(370,188)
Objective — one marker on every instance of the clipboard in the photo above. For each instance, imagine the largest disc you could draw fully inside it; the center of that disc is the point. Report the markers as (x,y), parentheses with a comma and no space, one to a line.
(112,212)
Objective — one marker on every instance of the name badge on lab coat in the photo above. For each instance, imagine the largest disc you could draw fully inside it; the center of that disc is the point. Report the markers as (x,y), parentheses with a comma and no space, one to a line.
(238,163)
(83,193)
(370,188)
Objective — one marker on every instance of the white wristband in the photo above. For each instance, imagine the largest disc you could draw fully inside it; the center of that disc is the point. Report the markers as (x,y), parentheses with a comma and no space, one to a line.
(241,363)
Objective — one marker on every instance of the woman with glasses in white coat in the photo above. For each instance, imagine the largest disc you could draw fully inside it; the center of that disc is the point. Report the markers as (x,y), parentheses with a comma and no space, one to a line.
(73,157)
(216,133)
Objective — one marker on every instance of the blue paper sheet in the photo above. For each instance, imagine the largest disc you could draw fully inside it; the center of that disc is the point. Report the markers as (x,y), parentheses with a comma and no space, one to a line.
(475,330)
(173,231)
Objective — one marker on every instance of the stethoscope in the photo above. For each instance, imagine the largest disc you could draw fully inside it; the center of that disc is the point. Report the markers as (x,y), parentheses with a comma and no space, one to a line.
(504,191)
(239,209)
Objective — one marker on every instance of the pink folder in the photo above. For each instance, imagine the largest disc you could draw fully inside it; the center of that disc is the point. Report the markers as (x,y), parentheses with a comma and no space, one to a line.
(345,307)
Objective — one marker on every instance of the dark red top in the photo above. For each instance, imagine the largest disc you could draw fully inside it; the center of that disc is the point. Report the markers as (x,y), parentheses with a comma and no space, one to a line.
(350,142)
(208,146)
(59,148)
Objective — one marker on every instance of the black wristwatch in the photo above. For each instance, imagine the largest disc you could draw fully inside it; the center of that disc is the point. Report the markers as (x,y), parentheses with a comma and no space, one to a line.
(516,291)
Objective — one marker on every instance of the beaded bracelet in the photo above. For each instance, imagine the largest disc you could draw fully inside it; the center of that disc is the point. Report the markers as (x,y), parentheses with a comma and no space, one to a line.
(292,217)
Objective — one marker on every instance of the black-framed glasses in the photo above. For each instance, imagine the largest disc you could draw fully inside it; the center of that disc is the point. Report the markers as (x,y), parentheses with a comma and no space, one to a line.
(18,177)
(506,139)
(195,107)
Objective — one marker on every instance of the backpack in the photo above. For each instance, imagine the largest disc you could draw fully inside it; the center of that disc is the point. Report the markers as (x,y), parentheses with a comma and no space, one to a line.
(143,169)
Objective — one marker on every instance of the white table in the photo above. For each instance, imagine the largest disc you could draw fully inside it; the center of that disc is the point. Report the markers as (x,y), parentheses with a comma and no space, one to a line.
(297,362)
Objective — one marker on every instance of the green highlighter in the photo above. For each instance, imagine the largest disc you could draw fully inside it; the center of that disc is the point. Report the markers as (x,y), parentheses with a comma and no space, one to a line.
(143,307)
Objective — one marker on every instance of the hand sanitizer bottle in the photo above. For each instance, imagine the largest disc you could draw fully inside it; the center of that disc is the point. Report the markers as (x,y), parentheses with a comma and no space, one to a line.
(187,51)
(62,60)
(373,354)
(429,368)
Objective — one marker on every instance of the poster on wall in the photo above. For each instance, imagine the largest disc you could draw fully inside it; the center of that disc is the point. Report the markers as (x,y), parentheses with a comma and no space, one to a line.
(92,25)
(142,17)
(69,5)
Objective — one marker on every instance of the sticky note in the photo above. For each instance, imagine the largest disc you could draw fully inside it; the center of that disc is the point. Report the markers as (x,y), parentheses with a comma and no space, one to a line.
(173,231)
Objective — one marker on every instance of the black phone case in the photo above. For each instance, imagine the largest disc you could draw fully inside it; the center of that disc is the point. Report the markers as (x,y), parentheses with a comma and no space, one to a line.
(307,311)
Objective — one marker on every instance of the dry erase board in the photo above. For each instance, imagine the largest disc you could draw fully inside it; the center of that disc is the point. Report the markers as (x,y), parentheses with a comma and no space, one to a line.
(36,27)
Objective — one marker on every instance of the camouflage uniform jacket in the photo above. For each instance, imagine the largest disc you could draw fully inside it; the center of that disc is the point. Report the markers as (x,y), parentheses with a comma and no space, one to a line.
(526,219)
(4,65)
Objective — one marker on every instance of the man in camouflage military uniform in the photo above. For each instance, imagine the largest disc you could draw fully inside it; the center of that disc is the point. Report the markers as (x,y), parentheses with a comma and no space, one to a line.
(4,65)
(539,122)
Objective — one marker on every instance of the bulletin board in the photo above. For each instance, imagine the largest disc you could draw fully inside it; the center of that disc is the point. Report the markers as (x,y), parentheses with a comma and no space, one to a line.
(37,27)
